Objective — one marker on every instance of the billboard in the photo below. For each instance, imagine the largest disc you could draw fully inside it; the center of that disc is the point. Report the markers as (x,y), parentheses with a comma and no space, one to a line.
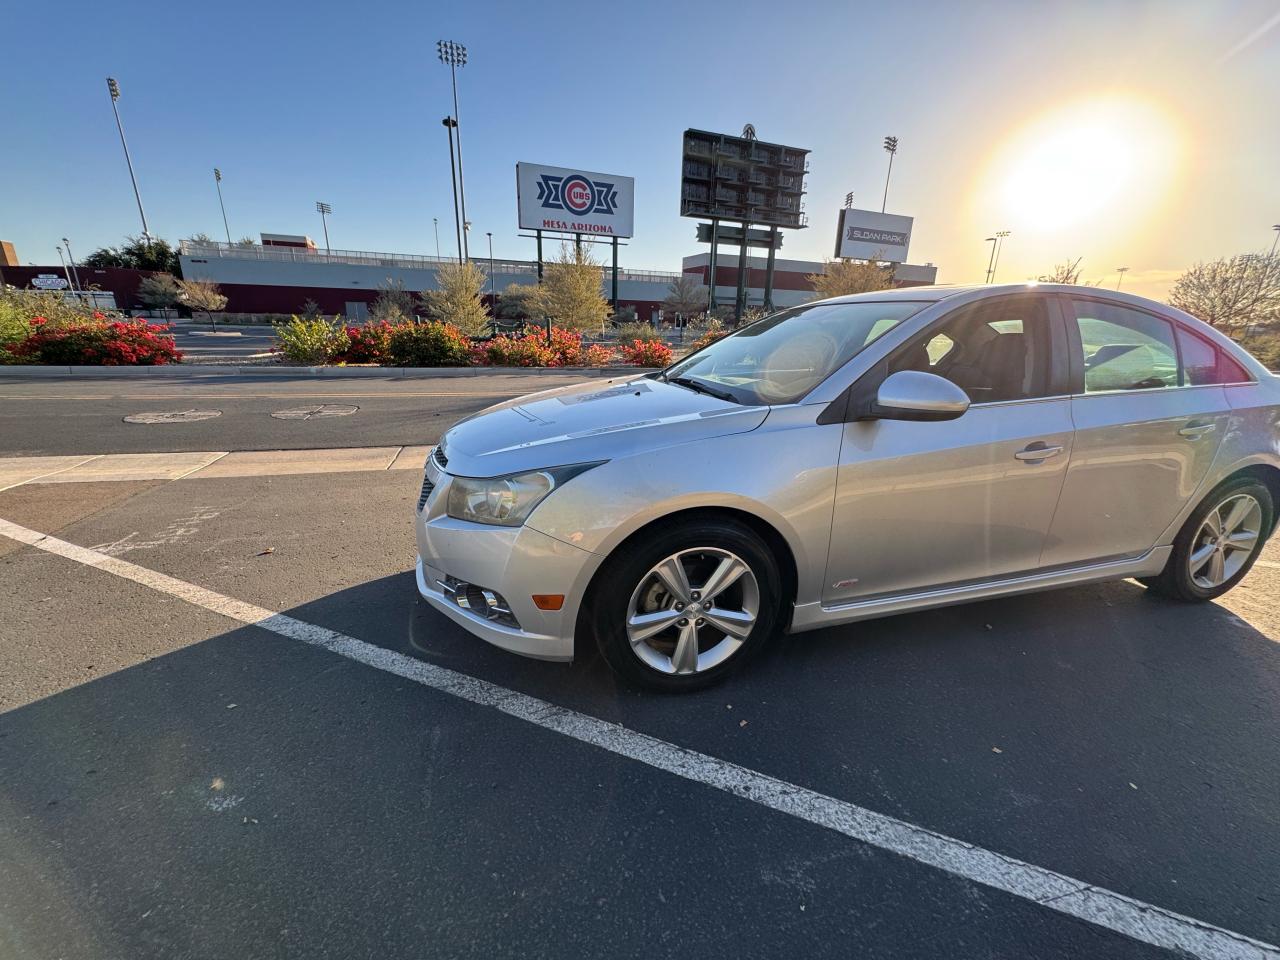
(575,201)
(872,235)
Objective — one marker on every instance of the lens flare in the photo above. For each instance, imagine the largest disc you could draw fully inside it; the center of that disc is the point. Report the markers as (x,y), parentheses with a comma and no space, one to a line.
(1106,162)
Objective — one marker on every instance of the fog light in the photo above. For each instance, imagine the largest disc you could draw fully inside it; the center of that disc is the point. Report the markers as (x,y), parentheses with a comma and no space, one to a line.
(548,601)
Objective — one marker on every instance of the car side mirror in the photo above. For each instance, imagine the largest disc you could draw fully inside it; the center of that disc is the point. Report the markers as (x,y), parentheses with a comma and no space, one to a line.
(913,395)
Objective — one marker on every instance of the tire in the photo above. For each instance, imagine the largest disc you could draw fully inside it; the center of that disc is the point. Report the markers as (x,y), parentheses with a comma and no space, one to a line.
(655,653)
(1186,579)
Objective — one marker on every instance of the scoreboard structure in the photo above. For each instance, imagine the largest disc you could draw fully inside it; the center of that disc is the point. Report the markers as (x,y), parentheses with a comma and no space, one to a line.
(744,182)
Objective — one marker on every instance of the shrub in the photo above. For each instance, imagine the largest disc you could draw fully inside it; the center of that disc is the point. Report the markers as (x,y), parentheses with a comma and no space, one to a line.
(637,331)
(531,349)
(1264,344)
(647,353)
(370,343)
(715,330)
(596,355)
(98,341)
(528,350)
(428,345)
(311,341)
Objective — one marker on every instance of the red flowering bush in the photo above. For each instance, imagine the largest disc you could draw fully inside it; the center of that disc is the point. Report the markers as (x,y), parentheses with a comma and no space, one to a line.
(715,330)
(527,350)
(647,353)
(597,355)
(368,344)
(108,343)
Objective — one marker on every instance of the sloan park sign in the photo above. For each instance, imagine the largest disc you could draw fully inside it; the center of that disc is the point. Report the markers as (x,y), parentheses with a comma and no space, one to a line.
(567,200)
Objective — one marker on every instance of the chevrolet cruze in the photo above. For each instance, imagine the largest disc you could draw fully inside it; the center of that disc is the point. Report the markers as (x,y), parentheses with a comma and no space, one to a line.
(852,458)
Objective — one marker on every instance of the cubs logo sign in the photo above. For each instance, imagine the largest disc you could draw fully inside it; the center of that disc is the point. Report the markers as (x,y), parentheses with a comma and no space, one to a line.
(577,194)
(574,201)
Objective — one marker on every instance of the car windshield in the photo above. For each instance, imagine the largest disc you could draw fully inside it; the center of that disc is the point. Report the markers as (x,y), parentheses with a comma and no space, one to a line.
(782,357)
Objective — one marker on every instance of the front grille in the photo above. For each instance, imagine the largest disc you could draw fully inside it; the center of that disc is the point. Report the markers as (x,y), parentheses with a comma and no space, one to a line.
(427,487)
(438,455)
(476,600)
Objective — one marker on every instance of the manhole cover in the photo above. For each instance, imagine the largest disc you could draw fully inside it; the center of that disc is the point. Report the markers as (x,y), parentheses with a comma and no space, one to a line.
(317,412)
(172,416)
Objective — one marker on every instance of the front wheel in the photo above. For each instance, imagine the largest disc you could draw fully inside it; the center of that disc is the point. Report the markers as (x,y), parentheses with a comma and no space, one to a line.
(685,605)
(1218,543)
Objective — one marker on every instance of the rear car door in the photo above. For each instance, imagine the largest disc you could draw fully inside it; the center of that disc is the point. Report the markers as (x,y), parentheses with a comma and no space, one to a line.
(921,505)
(1149,412)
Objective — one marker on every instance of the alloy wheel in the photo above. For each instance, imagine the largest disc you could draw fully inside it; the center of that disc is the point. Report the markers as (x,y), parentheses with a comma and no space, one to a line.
(693,610)
(1225,541)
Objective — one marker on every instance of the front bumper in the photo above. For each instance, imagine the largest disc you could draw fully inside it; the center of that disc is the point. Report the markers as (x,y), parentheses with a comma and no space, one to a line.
(516,562)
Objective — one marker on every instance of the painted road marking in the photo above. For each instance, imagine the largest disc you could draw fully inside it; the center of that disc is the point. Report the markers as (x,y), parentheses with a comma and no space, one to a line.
(136,466)
(1055,891)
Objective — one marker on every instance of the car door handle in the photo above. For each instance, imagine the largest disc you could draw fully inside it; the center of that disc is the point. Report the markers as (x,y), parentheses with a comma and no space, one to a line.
(1194,431)
(1038,451)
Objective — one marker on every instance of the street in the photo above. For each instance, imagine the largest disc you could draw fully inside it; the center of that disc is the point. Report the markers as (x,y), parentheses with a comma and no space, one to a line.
(229,726)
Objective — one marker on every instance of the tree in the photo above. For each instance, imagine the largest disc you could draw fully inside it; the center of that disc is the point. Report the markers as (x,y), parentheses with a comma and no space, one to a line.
(137,254)
(159,292)
(513,302)
(686,296)
(394,303)
(200,238)
(1235,291)
(201,295)
(458,298)
(1066,272)
(246,242)
(839,278)
(570,291)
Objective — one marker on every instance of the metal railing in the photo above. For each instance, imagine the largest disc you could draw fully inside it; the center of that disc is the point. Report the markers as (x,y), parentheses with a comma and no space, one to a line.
(362,258)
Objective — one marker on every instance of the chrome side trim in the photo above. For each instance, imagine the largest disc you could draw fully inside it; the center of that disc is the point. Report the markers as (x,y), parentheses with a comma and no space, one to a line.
(810,616)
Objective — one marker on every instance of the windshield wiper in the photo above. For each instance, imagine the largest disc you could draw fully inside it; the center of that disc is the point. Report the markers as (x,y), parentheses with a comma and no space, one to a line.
(699,387)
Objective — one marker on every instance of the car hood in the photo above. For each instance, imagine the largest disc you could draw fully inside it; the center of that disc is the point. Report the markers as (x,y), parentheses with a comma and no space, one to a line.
(597,420)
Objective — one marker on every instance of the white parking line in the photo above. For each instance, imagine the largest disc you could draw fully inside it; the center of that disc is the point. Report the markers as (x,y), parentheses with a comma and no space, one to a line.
(1055,891)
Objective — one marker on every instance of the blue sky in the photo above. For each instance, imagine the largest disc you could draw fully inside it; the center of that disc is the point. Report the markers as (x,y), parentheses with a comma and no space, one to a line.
(298,102)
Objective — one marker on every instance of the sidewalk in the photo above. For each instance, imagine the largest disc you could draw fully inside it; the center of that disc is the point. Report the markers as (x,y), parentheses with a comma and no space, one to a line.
(18,471)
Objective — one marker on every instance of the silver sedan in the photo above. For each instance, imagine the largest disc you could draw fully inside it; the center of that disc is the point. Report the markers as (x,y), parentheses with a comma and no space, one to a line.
(852,458)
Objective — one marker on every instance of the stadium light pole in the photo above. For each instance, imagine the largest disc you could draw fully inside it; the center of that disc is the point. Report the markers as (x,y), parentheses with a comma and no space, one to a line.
(71,258)
(66,272)
(489,234)
(217,182)
(891,147)
(324,210)
(1276,228)
(1000,235)
(1121,272)
(455,55)
(450,124)
(991,261)
(435,222)
(114,89)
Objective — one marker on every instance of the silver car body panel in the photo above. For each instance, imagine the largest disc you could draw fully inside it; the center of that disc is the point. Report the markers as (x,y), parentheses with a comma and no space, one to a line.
(879,517)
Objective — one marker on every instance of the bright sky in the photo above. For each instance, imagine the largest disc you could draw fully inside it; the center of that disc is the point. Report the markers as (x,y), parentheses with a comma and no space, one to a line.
(1142,134)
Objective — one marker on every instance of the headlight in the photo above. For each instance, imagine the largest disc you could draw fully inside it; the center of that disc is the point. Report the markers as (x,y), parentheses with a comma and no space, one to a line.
(507,501)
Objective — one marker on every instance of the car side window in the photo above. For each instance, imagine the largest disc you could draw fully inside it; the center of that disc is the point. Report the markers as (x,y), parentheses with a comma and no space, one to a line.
(1204,364)
(995,350)
(1125,349)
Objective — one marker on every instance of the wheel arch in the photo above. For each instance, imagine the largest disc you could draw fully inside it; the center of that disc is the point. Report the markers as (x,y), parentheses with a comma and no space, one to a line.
(771,535)
(1268,475)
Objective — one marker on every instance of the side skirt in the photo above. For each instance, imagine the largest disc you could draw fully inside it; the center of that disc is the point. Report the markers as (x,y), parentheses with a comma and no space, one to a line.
(810,616)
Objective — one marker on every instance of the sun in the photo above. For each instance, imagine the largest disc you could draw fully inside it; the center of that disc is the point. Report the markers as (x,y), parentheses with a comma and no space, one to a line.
(1106,159)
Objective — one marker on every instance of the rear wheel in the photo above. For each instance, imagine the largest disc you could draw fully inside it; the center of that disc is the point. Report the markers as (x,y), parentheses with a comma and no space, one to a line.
(686,605)
(1218,543)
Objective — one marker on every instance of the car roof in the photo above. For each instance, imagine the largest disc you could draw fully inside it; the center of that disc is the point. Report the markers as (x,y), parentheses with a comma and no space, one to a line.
(944,291)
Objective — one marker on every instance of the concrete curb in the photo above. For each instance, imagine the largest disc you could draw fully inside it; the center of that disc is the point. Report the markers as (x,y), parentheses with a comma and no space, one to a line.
(21,372)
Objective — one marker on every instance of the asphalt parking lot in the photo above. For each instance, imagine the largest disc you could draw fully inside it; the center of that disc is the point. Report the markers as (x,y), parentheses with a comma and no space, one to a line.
(185,775)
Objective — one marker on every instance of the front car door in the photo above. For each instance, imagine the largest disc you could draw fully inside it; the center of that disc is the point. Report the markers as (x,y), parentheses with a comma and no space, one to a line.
(1150,413)
(921,505)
